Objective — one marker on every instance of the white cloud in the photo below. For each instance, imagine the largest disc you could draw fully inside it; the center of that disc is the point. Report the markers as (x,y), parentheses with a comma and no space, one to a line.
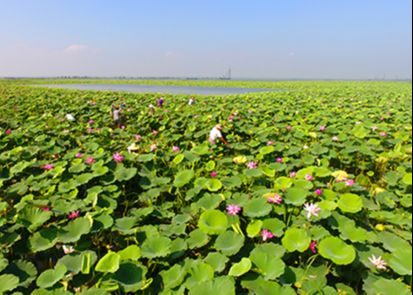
(77,48)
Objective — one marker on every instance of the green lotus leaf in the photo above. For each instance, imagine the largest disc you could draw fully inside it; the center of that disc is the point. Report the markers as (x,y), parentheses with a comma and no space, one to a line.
(146,158)
(33,217)
(282,183)
(197,239)
(240,268)
(213,185)
(50,277)
(257,208)
(156,247)
(178,159)
(217,260)
(43,239)
(213,222)
(274,225)
(131,252)
(75,229)
(253,173)
(254,228)
(260,286)
(401,261)
(183,178)
(24,270)
(360,132)
(201,150)
(200,272)
(229,243)
(232,182)
(269,265)
(336,250)
(77,263)
(124,174)
(173,277)
(296,239)
(109,263)
(267,171)
(84,178)
(267,150)
(8,283)
(220,285)
(296,196)
(350,203)
(407,179)
(130,276)
(393,243)
(382,286)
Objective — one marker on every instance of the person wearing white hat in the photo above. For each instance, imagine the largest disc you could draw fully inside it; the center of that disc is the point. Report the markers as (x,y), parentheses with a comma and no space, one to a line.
(216,134)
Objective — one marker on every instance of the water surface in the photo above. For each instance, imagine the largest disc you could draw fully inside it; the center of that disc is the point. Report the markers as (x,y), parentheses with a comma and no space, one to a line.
(161,89)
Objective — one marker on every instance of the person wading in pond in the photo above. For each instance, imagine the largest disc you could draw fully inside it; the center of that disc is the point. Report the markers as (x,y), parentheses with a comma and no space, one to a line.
(116,112)
(160,102)
(216,133)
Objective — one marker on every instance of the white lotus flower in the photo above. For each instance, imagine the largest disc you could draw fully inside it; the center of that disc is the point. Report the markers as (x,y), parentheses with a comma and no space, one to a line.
(67,249)
(312,210)
(70,117)
(378,262)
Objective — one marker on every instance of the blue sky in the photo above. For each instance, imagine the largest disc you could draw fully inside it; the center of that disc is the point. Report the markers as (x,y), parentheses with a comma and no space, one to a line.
(336,39)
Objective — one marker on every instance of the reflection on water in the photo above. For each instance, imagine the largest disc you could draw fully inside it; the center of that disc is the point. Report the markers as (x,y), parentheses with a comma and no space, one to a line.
(161,89)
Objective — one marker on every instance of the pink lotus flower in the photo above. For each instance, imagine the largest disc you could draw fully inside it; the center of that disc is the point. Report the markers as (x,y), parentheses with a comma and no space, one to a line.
(117,157)
(90,160)
(252,165)
(78,155)
(138,137)
(73,215)
(233,209)
(155,132)
(293,174)
(175,149)
(8,132)
(153,147)
(89,130)
(91,122)
(280,160)
(382,118)
(319,192)
(289,128)
(214,174)
(275,199)
(313,247)
(309,177)
(312,210)
(45,209)
(383,134)
(266,235)
(270,142)
(350,182)
(48,167)
(123,127)
(323,128)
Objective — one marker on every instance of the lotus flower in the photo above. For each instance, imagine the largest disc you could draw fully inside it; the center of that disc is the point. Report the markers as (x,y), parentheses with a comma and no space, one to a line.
(91,122)
(123,127)
(266,235)
(289,128)
(252,165)
(312,210)
(309,177)
(382,118)
(45,209)
(132,148)
(350,182)
(374,128)
(153,147)
(378,262)
(48,167)
(68,249)
(306,147)
(73,214)
(175,149)
(383,134)
(319,192)
(233,209)
(90,160)
(78,155)
(358,123)
(275,199)
(334,138)
(89,130)
(138,137)
(280,160)
(293,174)
(155,132)
(270,142)
(117,157)
(313,247)
(323,128)
(214,174)
(8,132)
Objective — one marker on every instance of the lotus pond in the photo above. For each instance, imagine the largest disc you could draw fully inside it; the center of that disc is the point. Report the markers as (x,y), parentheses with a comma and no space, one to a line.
(312,195)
